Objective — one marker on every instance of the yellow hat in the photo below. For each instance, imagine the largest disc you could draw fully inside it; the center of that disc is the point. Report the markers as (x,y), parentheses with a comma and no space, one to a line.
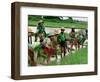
(56,31)
(40,21)
(29,29)
(62,28)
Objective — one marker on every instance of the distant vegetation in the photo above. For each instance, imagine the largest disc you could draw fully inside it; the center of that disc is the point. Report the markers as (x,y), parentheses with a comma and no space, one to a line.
(56,22)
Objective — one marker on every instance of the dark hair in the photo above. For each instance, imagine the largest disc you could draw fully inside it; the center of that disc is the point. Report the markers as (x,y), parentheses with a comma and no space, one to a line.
(39,23)
(86,30)
(41,40)
(73,30)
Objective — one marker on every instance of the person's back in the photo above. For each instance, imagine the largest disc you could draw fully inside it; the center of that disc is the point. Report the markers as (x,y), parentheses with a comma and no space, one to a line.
(72,35)
(40,28)
(61,37)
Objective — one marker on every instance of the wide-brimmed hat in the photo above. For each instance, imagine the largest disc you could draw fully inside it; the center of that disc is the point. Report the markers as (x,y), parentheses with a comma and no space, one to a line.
(30,30)
(56,32)
(40,21)
(62,28)
(50,34)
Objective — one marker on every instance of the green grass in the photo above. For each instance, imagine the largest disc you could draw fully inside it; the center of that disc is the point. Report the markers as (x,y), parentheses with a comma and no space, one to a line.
(79,57)
(56,23)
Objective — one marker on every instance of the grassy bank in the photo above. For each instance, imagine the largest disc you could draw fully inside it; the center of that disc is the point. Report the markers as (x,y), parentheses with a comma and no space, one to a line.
(57,23)
(79,57)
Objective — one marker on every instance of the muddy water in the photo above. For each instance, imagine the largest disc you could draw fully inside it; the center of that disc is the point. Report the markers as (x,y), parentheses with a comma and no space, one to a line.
(51,30)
